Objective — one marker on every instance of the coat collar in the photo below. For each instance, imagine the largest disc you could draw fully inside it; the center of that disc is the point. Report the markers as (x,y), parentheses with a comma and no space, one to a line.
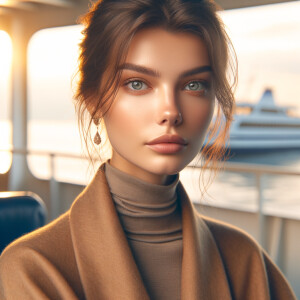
(106,266)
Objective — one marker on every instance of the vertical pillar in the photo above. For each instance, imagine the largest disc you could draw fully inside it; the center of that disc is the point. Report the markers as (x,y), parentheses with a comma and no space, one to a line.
(19,103)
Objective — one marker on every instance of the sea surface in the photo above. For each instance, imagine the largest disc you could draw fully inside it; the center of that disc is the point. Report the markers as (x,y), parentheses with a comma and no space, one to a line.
(280,192)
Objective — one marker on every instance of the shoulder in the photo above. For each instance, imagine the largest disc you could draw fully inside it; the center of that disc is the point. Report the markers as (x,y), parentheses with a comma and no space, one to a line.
(245,261)
(227,235)
(236,247)
(44,243)
(33,263)
(40,239)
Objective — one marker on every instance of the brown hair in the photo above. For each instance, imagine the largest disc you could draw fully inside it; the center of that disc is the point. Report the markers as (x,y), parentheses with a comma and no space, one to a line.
(109,28)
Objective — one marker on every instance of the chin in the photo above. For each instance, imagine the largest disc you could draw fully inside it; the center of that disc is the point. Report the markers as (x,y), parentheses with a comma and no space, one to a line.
(167,165)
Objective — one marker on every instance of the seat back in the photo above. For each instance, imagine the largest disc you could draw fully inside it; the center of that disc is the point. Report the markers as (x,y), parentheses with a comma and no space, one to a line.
(20,213)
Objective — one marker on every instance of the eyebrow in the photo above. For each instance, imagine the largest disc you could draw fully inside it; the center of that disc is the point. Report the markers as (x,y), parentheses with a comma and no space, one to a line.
(155,73)
(197,70)
(140,69)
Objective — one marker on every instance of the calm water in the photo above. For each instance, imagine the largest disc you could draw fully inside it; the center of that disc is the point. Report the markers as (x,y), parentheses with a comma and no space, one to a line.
(280,193)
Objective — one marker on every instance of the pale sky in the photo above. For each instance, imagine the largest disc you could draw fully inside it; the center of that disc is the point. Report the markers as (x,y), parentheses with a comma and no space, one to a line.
(267,42)
(266,39)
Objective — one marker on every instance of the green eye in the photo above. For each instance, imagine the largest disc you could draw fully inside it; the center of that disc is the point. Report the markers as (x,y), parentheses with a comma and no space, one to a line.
(137,85)
(195,86)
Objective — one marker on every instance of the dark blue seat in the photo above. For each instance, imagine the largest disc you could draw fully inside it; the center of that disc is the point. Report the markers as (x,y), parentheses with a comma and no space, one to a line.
(20,213)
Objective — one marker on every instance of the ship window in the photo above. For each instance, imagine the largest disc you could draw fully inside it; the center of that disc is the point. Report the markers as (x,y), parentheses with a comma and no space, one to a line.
(242,110)
(270,110)
(270,125)
(5,96)
(52,124)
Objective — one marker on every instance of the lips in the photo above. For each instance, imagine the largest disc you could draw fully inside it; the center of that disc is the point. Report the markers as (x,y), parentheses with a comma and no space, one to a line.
(166,139)
(167,144)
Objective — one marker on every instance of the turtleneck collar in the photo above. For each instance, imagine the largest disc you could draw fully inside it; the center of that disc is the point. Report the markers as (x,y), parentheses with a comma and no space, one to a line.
(148,212)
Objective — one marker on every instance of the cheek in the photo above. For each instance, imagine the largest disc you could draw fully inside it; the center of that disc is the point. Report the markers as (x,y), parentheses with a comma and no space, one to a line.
(118,123)
(198,117)
(124,121)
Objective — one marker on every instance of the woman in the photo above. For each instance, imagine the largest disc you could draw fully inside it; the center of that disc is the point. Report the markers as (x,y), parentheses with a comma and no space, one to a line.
(150,72)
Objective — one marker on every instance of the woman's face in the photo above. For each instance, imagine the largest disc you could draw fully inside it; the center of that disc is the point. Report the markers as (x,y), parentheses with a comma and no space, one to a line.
(159,118)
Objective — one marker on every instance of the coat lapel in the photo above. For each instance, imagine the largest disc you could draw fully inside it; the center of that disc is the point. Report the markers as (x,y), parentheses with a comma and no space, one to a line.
(203,274)
(106,266)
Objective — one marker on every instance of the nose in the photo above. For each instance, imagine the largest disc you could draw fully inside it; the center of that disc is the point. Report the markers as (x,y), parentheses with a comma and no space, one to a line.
(168,112)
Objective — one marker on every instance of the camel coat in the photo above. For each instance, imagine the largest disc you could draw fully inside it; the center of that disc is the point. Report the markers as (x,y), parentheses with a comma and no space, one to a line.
(84,254)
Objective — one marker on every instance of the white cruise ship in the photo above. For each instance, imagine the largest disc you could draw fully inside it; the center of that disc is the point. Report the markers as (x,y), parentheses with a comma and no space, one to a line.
(264,127)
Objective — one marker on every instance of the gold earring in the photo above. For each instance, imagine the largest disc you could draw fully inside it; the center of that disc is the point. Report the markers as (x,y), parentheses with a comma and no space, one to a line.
(97,138)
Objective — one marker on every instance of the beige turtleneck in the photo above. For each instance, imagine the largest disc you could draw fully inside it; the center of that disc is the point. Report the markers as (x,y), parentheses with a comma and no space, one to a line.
(151,219)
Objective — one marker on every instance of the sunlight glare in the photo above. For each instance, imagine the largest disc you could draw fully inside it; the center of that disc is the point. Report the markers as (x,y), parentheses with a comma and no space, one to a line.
(5,54)
(5,124)
(3,2)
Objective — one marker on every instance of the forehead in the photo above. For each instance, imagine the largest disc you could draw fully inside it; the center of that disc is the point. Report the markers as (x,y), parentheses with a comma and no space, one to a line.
(167,51)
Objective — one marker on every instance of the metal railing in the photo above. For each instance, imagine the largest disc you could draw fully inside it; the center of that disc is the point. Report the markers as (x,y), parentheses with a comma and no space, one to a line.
(53,183)
(257,170)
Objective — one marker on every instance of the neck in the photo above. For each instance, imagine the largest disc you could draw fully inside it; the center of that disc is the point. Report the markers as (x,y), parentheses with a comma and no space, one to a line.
(148,212)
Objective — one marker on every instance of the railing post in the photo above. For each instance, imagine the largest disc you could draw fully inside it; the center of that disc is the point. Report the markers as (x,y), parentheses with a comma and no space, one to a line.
(261,216)
(278,245)
(54,190)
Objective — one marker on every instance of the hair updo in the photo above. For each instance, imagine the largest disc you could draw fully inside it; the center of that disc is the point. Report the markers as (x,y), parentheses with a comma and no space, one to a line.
(109,27)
